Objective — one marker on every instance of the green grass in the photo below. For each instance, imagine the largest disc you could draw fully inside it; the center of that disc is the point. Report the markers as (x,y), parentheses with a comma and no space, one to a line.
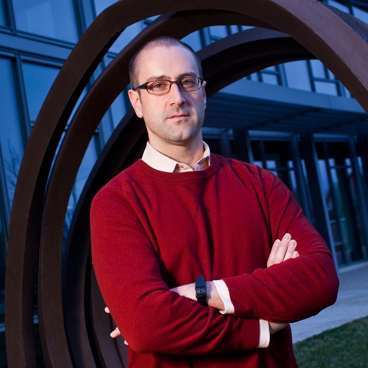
(341,347)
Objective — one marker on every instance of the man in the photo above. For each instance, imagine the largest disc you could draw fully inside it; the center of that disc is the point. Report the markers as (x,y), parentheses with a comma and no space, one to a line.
(181,212)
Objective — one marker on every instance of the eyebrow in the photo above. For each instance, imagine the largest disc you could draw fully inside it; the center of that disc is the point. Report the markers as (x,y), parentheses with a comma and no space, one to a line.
(165,77)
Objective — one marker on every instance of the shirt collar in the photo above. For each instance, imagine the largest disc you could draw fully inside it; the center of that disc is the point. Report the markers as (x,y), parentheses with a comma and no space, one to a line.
(159,161)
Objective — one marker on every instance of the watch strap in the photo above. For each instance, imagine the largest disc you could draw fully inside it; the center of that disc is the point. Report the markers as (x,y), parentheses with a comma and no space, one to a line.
(201,291)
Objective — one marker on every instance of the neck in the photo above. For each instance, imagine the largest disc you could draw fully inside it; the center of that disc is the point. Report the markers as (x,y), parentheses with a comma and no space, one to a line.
(187,154)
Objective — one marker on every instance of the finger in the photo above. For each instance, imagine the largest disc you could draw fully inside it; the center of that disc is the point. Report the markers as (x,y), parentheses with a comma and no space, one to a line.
(107,310)
(115,333)
(295,254)
(126,343)
(271,257)
(282,248)
(290,249)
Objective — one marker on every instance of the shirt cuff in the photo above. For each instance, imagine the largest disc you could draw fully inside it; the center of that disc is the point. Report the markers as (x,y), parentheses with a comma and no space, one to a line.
(224,294)
(264,334)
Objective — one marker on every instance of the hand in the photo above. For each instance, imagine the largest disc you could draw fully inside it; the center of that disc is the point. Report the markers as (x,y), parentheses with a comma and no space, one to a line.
(276,326)
(116,332)
(282,250)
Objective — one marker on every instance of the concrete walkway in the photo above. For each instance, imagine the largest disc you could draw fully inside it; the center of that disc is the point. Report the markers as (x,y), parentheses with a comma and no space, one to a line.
(351,304)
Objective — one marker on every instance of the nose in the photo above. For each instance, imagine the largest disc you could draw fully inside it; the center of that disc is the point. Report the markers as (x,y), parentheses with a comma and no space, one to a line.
(176,96)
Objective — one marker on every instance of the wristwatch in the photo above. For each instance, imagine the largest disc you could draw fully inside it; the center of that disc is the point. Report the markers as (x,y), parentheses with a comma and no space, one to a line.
(201,291)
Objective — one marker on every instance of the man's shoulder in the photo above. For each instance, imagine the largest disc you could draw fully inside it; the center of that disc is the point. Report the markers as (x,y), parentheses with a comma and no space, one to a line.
(121,181)
(234,164)
(245,170)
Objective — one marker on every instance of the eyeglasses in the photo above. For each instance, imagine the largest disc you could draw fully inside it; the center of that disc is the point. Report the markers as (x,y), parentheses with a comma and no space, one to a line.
(163,86)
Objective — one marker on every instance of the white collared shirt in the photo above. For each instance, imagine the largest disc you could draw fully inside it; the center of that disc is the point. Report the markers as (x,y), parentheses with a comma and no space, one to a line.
(161,162)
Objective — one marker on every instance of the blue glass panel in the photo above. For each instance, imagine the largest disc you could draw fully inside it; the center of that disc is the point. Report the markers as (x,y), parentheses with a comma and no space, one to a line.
(217,32)
(193,40)
(11,142)
(362,15)
(326,88)
(235,29)
(318,69)
(88,161)
(253,77)
(101,5)
(269,79)
(38,80)
(118,109)
(128,34)
(49,18)
(297,75)
(2,13)
(338,6)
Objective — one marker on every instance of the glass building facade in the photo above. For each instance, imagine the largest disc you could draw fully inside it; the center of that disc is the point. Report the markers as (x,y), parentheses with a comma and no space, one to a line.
(36,37)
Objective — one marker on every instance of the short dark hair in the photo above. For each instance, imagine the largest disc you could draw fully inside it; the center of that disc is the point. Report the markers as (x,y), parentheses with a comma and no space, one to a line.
(159,41)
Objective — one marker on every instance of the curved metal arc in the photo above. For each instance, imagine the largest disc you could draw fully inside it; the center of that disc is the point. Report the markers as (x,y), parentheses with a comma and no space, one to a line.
(66,167)
(70,156)
(249,51)
(228,4)
(333,44)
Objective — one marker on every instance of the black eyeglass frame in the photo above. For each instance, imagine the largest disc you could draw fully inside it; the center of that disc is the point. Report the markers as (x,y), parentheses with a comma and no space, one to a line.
(177,82)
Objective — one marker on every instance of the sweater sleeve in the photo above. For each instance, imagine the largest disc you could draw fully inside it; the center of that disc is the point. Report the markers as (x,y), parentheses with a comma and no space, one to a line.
(152,318)
(294,289)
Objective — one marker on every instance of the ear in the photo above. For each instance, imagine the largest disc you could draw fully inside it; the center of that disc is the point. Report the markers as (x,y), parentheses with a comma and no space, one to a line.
(204,93)
(135,100)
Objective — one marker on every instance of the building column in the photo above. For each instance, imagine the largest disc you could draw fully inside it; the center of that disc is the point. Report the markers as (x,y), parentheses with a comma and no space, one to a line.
(300,181)
(359,187)
(243,146)
(322,221)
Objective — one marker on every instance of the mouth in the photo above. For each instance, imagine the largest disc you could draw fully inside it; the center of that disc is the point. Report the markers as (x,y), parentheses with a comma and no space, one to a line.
(178,116)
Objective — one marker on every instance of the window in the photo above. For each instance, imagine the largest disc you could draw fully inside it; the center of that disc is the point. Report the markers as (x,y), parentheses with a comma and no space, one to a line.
(54,19)
(11,138)
(272,75)
(38,80)
(326,88)
(362,15)
(2,13)
(323,81)
(217,32)
(101,5)
(88,161)
(339,6)
(297,75)
(118,109)
(193,40)
(127,35)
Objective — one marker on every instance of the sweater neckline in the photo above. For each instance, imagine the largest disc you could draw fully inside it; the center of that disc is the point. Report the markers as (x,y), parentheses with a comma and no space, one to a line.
(176,176)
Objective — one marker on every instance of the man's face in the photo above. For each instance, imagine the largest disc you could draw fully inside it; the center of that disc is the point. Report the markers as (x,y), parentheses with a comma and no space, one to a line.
(177,117)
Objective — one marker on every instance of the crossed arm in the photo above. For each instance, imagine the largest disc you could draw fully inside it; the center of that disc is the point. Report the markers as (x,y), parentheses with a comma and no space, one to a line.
(281,251)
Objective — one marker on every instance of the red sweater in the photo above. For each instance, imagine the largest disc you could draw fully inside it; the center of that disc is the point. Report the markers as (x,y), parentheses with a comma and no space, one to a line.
(153,230)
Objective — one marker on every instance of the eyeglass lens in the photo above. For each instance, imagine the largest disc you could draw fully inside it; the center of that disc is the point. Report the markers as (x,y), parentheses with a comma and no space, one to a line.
(187,84)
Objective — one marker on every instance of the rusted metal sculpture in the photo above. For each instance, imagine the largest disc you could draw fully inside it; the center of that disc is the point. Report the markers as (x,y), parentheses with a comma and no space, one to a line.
(73,327)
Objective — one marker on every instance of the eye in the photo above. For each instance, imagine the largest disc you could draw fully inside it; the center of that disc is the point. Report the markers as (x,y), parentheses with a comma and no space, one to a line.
(157,85)
(188,82)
